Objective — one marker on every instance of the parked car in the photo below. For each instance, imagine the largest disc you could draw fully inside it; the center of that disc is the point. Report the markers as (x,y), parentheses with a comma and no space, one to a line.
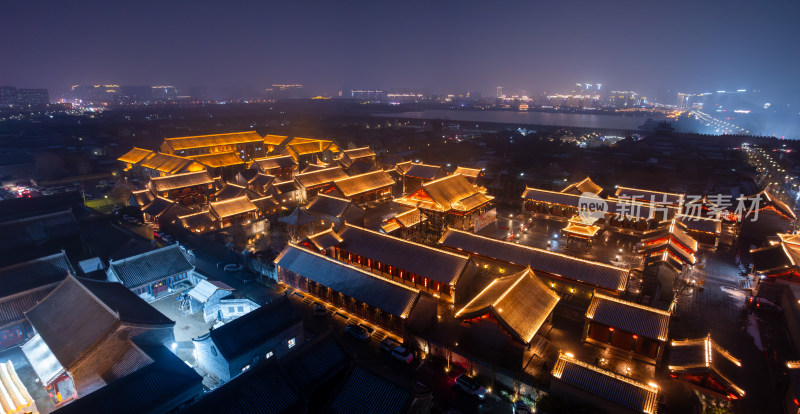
(320,310)
(400,353)
(358,332)
(521,408)
(233,267)
(471,386)
(388,344)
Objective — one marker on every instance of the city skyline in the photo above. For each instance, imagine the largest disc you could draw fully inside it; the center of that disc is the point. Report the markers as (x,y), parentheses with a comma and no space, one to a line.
(442,48)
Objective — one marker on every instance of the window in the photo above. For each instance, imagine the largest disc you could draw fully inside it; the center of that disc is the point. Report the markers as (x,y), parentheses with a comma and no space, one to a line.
(292,342)
(240,309)
(269,355)
(231,309)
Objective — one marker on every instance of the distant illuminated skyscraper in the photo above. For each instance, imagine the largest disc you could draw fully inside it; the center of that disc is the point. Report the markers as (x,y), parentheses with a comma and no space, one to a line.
(500,92)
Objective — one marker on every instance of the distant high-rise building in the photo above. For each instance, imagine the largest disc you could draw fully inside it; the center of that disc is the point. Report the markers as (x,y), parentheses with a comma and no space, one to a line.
(500,93)
(684,100)
(96,93)
(33,97)
(164,93)
(625,99)
(8,96)
(285,91)
(135,94)
(368,95)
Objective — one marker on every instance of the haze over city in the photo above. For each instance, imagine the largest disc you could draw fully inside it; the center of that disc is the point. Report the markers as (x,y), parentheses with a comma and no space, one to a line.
(444,47)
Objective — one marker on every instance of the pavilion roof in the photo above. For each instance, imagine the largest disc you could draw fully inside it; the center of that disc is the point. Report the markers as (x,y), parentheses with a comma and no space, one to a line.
(521,302)
(607,385)
(581,229)
(631,317)
(468,172)
(325,239)
(419,170)
(202,141)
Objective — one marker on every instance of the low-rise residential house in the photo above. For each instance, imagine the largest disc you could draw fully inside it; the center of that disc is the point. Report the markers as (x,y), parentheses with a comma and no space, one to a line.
(40,235)
(100,319)
(22,286)
(230,309)
(270,331)
(206,296)
(154,274)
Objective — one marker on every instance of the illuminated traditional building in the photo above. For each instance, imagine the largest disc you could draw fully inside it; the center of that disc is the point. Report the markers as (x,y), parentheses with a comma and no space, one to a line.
(473,175)
(101,318)
(587,384)
(321,181)
(584,186)
(445,275)
(220,164)
(619,214)
(413,175)
(639,331)
(247,145)
(670,245)
(365,295)
(334,212)
(187,189)
(778,261)
(284,167)
(451,201)
(308,150)
(144,163)
(357,161)
(155,273)
(705,366)
(573,278)
(368,188)
(273,143)
(407,225)
(234,211)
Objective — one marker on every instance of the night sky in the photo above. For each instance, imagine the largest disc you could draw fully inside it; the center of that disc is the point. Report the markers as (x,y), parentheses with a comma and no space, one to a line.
(444,46)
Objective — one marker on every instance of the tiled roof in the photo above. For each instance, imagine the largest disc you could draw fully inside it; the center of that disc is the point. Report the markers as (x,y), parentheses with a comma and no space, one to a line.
(700,223)
(771,258)
(143,197)
(170,164)
(129,306)
(356,153)
(135,155)
(435,264)
(13,308)
(365,392)
(160,386)
(521,302)
(316,178)
(275,139)
(311,366)
(389,296)
(202,141)
(38,230)
(230,190)
(649,196)
(71,308)
(620,207)
(170,182)
(557,264)
(219,159)
(232,207)
(253,329)
(703,355)
(325,239)
(203,291)
(584,186)
(628,316)
(298,217)
(261,180)
(262,389)
(607,385)
(151,266)
(453,192)
(468,172)
(264,203)
(328,205)
(273,162)
(203,219)
(363,183)
(424,171)
(34,274)
(158,206)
